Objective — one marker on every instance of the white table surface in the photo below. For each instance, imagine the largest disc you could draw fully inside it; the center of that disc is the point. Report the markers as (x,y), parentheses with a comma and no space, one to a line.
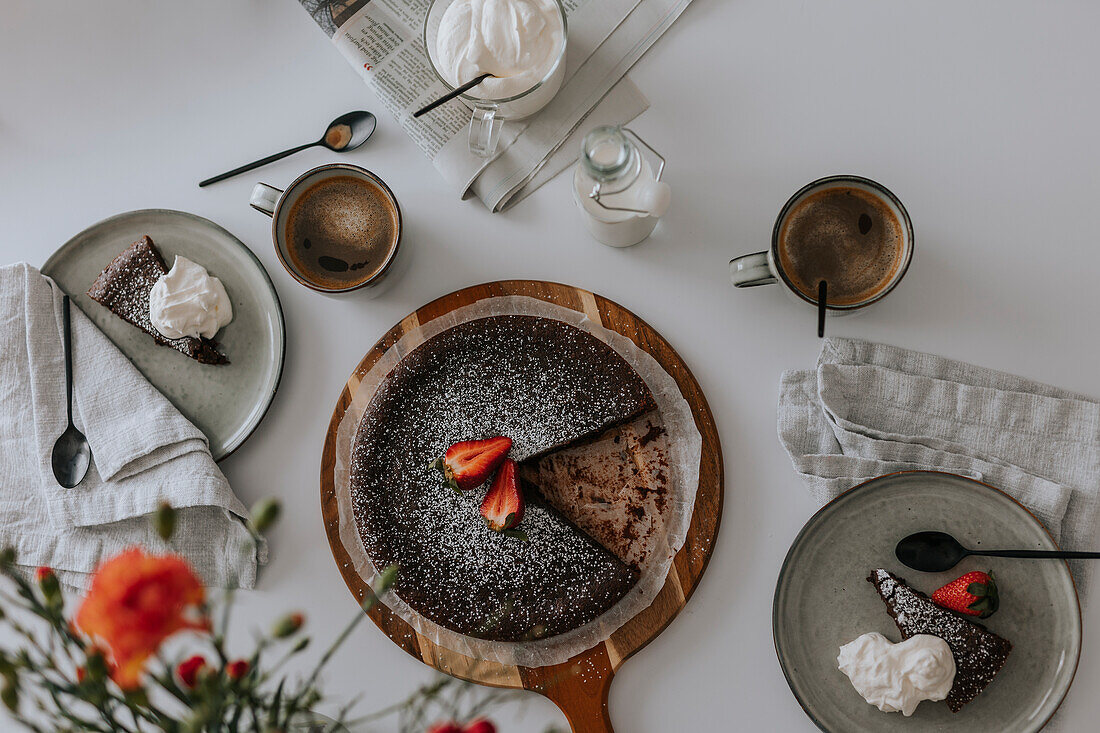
(981,116)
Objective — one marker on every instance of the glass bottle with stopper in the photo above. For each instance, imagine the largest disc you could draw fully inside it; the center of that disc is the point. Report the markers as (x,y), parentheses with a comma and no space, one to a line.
(615,186)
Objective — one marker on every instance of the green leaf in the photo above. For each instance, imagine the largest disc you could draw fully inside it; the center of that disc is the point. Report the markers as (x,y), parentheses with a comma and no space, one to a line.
(264,514)
(10,696)
(164,520)
(518,534)
(385,579)
(276,703)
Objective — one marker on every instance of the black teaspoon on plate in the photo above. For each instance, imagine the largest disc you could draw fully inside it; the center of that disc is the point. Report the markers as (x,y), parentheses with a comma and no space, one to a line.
(934,552)
(345,133)
(71,453)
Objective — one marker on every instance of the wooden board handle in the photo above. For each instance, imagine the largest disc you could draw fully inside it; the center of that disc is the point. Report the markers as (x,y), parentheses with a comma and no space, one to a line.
(579,688)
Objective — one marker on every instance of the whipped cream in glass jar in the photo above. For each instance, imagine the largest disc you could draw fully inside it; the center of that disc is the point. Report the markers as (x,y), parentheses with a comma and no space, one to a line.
(521,42)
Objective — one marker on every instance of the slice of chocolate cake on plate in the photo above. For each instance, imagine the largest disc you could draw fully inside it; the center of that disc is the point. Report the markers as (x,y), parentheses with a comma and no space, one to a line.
(979,653)
(123,287)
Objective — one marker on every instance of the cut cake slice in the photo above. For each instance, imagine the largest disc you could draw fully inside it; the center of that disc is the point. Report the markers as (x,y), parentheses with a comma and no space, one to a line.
(979,653)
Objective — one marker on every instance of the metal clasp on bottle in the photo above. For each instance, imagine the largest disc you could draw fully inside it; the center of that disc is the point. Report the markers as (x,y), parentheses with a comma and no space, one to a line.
(595,194)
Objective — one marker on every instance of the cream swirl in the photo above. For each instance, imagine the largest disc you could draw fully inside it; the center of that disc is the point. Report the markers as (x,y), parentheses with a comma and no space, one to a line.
(518,41)
(897,677)
(188,302)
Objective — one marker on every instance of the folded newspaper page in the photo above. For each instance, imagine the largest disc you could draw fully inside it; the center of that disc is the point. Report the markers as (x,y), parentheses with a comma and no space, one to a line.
(383,40)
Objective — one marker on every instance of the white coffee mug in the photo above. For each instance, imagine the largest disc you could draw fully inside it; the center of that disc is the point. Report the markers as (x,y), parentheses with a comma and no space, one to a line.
(765,268)
(278,203)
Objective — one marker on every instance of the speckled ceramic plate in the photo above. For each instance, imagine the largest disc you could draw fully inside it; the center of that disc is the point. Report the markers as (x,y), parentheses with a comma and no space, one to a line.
(225,402)
(822,600)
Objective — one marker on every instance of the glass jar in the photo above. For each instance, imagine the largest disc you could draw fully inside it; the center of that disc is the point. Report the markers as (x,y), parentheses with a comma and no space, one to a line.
(616,188)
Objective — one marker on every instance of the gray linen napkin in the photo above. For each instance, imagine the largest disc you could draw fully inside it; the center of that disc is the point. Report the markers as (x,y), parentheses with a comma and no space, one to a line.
(143,449)
(869,409)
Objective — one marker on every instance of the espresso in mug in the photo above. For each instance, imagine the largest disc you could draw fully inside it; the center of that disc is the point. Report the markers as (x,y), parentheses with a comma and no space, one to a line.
(845,235)
(340,231)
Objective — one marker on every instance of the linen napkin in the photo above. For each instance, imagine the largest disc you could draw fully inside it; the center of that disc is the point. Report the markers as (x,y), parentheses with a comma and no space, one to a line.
(143,451)
(869,409)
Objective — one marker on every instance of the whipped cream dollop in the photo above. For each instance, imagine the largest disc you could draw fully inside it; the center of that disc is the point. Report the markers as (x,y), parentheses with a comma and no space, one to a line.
(188,301)
(896,677)
(517,41)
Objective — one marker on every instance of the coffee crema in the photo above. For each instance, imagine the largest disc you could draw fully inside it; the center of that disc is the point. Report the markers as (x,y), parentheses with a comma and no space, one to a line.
(847,236)
(340,231)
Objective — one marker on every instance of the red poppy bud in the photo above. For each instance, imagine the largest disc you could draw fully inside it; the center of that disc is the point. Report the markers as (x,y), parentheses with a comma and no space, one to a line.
(237,669)
(188,670)
(449,727)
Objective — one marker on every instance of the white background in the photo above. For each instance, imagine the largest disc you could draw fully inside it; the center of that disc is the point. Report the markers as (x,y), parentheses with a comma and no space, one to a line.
(981,116)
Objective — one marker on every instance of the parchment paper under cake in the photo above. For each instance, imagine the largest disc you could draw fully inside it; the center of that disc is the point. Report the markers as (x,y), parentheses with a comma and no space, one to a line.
(643,519)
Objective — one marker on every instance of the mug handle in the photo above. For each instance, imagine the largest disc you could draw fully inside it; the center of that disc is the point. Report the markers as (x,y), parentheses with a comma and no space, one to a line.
(748,271)
(484,130)
(264,198)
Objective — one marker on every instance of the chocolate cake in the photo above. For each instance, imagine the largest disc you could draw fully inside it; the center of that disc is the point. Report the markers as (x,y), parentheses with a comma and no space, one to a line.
(546,385)
(979,653)
(614,486)
(124,287)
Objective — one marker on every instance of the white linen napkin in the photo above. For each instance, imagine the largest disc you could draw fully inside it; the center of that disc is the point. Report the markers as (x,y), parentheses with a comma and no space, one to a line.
(143,451)
(869,409)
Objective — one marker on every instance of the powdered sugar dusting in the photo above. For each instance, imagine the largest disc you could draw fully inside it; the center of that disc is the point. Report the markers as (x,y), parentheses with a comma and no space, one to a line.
(542,383)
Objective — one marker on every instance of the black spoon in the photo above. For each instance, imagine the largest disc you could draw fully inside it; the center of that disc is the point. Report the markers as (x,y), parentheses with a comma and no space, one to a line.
(822,291)
(71,453)
(345,133)
(451,95)
(934,552)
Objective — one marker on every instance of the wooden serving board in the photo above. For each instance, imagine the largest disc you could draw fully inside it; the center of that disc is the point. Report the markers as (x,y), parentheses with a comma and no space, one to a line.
(579,686)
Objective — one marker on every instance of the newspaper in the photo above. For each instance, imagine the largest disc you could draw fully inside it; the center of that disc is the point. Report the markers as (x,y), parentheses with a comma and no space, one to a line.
(383,41)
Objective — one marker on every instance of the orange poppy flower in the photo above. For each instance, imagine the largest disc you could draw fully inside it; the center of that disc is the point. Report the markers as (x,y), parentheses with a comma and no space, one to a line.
(135,602)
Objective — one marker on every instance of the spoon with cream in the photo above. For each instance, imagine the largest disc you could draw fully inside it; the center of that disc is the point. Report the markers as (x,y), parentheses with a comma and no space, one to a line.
(345,133)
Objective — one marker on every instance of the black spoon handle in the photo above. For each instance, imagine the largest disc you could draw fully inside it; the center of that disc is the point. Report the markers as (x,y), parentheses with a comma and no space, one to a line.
(451,95)
(822,290)
(1055,554)
(67,340)
(257,164)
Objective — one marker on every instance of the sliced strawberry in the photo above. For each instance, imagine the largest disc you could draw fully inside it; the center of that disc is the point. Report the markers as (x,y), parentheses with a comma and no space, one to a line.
(503,505)
(468,464)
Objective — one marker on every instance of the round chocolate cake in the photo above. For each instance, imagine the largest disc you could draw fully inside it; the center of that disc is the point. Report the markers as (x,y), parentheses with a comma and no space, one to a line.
(543,383)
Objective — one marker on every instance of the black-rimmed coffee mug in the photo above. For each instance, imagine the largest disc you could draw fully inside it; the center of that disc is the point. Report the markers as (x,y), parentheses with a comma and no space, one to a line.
(848,230)
(357,222)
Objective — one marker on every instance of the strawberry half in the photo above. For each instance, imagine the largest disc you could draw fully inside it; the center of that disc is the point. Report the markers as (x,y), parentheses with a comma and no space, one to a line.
(974,594)
(503,505)
(468,464)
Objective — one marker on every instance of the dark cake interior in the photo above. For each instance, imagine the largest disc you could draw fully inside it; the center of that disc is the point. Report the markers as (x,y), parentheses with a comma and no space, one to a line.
(124,287)
(546,385)
(613,486)
(979,653)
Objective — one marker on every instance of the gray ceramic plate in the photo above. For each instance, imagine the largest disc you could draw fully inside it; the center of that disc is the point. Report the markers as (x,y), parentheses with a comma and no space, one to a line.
(822,600)
(225,402)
